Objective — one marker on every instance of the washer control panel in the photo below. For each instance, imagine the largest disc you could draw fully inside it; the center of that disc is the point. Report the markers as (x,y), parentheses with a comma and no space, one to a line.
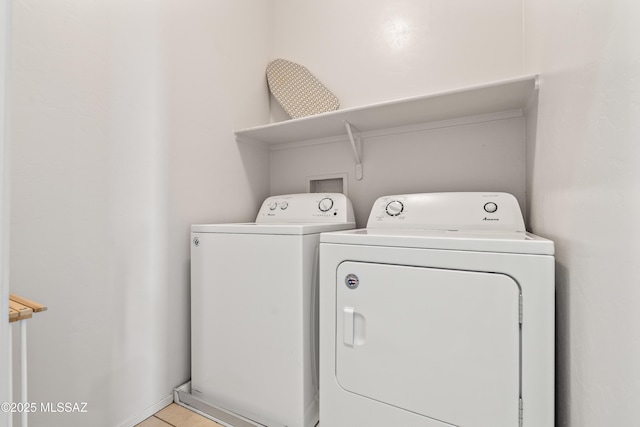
(448,211)
(306,207)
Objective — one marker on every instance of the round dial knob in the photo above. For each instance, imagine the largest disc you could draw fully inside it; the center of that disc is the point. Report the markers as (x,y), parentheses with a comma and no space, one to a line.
(490,207)
(273,206)
(325,204)
(284,205)
(394,208)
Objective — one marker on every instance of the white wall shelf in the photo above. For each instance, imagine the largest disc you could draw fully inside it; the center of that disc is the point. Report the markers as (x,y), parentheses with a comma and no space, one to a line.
(486,99)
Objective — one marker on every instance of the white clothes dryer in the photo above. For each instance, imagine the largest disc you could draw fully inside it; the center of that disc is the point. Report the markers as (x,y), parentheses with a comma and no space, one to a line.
(440,313)
(254,311)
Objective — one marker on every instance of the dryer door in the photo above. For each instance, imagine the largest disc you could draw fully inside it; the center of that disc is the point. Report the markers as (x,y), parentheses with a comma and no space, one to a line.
(444,344)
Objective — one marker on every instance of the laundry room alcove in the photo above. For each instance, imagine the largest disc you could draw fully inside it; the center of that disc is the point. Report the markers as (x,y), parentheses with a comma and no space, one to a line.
(337,142)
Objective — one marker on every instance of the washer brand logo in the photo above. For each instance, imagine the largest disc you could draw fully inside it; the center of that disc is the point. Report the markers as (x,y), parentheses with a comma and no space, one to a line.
(490,219)
(351,281)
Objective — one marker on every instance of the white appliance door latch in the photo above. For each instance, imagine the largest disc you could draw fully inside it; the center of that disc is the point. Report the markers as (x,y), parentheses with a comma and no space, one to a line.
(348,314)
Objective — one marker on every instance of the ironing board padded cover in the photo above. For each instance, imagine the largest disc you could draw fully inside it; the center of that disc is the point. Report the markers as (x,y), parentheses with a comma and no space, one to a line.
(298,91)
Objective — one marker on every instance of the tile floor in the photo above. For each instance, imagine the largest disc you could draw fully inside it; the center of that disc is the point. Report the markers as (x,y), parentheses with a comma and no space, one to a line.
(177,416)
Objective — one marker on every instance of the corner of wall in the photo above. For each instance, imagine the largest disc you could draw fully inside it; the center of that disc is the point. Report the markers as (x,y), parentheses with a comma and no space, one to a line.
(5,13)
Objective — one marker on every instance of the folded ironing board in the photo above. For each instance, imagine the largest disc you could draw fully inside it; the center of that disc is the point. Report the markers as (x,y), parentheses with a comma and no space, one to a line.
(297,90)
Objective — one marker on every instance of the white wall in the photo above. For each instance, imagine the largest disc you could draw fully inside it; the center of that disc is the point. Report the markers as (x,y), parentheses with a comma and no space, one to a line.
(487,156)
(123,114)
(368,51)
(584,174)
(373,51)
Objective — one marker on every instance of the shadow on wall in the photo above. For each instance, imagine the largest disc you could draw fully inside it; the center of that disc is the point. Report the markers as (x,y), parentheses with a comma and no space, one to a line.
(255,161)
(563,346)
(531,134)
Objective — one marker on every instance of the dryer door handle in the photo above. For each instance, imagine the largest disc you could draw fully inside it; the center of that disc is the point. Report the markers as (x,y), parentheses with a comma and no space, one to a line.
(348,314)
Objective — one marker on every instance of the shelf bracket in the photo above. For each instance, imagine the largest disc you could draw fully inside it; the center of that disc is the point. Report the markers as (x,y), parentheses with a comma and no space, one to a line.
(356,146)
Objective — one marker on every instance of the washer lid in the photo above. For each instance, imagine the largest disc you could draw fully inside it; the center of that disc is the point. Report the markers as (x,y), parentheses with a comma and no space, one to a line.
(294,214)
(478,241)
(273,229)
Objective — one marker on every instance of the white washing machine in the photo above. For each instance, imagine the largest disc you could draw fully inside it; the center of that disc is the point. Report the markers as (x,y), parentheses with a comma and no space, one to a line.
(440,313)
(254,311)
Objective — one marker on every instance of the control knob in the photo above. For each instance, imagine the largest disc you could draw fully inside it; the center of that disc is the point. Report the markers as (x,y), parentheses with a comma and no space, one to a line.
(325,204)
(490,207)
(394,208)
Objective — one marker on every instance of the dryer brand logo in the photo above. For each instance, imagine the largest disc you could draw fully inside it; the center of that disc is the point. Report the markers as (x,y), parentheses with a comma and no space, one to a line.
(490,219)
(351,281)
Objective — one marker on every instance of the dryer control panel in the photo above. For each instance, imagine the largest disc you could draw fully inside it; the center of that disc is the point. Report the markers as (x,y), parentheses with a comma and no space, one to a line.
(473,211)
(306,208)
